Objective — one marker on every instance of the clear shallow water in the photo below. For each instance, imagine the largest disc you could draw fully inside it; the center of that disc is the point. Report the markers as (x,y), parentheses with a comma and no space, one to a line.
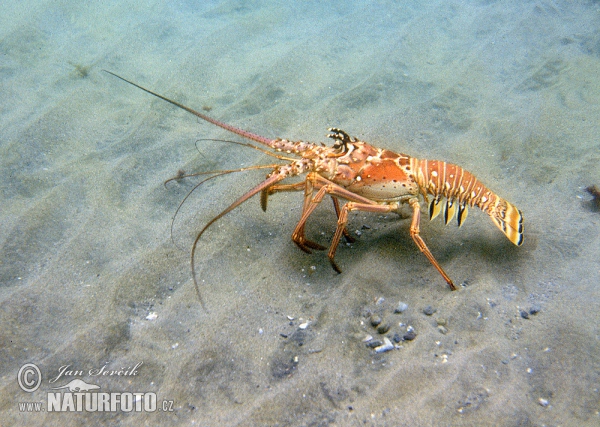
(90,276)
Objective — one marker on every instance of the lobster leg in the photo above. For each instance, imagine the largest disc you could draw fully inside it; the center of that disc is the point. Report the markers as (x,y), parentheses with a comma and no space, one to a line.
(359,203)
(302,242)
(414,233)
(343,220)
(336,206)
(313,181)
(264,195)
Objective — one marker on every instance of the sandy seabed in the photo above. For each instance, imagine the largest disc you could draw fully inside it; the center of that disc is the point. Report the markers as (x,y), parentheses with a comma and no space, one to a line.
(93,281)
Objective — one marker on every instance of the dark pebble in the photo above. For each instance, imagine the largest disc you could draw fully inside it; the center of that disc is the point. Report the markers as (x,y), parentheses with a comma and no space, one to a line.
(524,314)
(374,343)
(375,320)
(409,336)
(534,310)
(383,328)
(429,310)
(396,338)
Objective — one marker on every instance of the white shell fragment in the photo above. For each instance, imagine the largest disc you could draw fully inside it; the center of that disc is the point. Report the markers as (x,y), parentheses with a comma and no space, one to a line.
(386,346)
(151,316)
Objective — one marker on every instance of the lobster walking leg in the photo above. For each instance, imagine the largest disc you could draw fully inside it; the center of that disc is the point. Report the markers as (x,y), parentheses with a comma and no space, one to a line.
(324,186)
(414,233)
(336,206)
(343,221)
(361,204)
(307,185)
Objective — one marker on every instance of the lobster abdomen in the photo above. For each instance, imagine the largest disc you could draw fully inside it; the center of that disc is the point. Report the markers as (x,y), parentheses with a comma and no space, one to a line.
(461,189)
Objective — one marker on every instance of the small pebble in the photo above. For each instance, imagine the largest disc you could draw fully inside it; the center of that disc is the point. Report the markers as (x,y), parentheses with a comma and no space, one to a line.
(442,329)
(374,343)
(368,338)
(534,310)
(401,307)
(543,402)
(429,310)
(387,346)
(383,328)
(397,338)
(409,336)
(524,314)
(441,322)
(375,320)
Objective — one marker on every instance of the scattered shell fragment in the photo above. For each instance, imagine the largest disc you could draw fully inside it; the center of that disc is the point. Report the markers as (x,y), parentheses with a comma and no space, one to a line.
(541,400)
(402,306)
(303,325)
(151,316)
(367,338)
(387,346)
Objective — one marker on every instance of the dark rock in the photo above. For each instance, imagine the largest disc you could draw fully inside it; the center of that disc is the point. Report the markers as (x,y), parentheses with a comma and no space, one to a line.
(375,320)
(409,336)
(383,328)
(374,343)
(429,310)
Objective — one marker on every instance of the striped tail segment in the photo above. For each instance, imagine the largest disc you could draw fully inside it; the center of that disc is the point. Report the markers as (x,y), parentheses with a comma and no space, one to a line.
(461,189)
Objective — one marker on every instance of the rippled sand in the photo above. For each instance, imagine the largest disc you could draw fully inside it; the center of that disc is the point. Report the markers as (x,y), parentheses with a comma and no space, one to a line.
(90,275)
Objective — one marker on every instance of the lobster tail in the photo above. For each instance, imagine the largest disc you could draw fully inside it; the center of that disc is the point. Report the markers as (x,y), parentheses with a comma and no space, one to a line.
(454,189)
(508,219)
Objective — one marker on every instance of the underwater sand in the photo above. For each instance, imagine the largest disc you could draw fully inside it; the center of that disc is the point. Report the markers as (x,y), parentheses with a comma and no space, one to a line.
(90,275)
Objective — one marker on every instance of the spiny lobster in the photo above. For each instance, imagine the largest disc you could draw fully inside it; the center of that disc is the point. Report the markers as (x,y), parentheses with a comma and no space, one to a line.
(370,179)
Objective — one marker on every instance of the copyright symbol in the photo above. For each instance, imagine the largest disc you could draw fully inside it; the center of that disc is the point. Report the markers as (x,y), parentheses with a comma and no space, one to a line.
(29,377)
